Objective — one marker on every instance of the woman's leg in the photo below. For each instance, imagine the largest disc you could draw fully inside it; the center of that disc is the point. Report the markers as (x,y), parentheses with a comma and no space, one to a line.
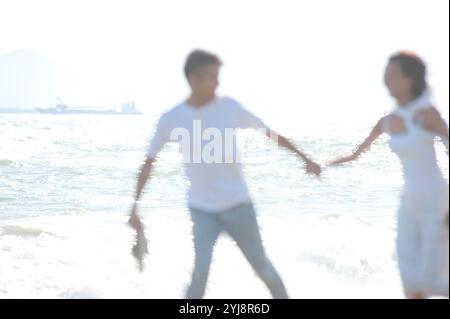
(434,259)
(409,249)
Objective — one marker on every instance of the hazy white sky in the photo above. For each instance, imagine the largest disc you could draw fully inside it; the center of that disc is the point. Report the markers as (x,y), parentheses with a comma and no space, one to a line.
(281,57)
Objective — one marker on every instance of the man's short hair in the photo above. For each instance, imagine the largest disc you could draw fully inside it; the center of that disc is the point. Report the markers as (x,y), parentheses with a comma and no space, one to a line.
(198,59)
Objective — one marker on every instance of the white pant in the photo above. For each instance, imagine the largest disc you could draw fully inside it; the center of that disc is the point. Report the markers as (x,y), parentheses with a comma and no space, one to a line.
(423,243)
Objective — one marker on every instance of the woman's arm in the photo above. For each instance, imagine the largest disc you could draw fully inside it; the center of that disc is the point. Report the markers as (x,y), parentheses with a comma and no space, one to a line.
(432,121)
(364,146)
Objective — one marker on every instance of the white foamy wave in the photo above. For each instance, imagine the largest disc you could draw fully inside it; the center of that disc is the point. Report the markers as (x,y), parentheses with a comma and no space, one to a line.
(15,230)
(90,257)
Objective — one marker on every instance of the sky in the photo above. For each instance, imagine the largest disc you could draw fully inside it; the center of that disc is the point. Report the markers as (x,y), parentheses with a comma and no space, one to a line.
(310,58)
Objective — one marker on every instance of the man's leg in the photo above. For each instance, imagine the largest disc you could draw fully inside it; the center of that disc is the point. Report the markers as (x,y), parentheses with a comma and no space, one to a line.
(241,224)
(206,230)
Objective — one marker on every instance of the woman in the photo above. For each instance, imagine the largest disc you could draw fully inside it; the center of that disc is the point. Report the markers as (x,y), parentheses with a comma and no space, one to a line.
(422,238)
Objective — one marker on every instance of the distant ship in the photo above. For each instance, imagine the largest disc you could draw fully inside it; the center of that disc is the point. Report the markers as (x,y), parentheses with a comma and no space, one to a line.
(61,108)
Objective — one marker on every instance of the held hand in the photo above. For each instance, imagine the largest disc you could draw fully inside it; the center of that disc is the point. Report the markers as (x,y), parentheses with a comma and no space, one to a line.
(140,247)
(313,168)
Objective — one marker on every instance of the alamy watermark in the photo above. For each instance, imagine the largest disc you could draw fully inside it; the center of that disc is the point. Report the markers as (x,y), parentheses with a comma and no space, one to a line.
(212,145)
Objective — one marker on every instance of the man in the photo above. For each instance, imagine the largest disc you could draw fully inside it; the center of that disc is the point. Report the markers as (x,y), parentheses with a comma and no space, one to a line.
(218,196)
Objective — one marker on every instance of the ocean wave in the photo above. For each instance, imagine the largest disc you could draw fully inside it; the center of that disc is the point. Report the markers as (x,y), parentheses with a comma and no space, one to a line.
(6,162)
(359,268)
(15,230)
(81,293)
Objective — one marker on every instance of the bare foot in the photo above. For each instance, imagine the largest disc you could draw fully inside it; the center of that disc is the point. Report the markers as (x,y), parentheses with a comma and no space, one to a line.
(417,295)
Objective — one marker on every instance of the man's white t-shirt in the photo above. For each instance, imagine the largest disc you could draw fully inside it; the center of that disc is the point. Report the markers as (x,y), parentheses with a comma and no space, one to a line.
(216,182)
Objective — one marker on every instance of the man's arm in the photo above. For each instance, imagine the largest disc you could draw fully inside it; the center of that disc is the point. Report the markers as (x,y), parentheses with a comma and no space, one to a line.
(144,175)
(249,120)
(311,166)
(160,138)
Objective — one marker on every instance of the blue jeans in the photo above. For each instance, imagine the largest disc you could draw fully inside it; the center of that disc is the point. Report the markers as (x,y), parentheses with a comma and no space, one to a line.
(241,224)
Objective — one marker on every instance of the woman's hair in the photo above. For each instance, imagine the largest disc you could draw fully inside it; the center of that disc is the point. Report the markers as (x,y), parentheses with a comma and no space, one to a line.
(414,68)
